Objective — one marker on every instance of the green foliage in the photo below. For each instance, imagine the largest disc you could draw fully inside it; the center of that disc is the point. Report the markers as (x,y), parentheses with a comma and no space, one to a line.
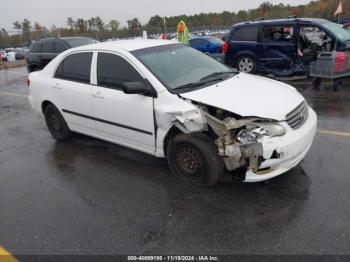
(95,27)
(320,8)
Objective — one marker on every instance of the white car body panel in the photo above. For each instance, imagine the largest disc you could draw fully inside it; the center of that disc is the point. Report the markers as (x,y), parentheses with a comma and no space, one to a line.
(74,97)
(244,95)
(258,96)
(293,147)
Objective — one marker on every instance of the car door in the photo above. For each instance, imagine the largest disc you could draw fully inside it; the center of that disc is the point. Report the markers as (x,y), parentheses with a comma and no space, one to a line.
(277,47)
(47,52)
(126,119)
(72,92)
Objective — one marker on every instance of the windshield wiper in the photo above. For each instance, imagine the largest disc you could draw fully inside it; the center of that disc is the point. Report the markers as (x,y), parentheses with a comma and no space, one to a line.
(207,79)
(196,84)
(219,74)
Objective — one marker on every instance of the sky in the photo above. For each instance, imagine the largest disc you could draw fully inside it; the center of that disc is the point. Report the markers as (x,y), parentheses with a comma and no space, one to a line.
(55,12)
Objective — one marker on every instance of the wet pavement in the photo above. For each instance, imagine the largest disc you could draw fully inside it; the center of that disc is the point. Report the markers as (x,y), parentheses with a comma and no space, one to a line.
(86,196)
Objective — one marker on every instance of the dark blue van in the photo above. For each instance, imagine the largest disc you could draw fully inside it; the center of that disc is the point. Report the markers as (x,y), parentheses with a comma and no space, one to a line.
(270,45)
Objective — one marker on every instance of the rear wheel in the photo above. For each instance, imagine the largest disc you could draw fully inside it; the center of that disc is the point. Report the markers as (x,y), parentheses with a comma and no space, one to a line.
(246,64)
(34,68)
(56,124)
(195,158)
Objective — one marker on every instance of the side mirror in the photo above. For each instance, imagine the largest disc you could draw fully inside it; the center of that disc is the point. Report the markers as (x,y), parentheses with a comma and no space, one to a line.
(139,88)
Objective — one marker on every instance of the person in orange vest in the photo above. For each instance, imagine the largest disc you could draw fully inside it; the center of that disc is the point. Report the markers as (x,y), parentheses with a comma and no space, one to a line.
(182,34)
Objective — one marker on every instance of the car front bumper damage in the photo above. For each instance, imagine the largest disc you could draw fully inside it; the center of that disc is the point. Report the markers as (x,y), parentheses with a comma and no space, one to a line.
(269,157)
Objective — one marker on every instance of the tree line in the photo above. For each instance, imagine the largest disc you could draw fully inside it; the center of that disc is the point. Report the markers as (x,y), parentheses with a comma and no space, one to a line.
(24,32)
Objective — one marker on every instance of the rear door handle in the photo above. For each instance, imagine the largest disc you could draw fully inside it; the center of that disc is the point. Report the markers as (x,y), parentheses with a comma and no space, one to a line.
(98,94)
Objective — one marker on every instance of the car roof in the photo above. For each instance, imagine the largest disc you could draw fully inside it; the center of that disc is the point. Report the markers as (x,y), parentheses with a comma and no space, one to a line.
(61,38)
(285,20)
(128,45)
(202,37)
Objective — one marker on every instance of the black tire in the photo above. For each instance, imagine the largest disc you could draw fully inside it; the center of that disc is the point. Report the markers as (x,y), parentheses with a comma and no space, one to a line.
(247,64)
(316,82)
(337,84)
(34,69)
(195,158)
(56,124)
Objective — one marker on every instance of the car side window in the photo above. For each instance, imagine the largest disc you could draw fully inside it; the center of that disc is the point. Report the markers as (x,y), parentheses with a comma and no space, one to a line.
(113,71)
(246,33)
(278,33)
(36,48)
(47,47)
(59,47)
(75,67)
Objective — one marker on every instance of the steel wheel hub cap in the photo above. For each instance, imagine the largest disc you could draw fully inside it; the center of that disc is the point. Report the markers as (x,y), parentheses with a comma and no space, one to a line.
(190,162)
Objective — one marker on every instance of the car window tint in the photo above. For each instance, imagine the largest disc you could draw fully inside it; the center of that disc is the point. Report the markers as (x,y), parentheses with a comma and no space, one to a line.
(47,47)
(199,42)
(75,67)
(278,33)
(36,48)
(59,47)
(246,33)
(113,71)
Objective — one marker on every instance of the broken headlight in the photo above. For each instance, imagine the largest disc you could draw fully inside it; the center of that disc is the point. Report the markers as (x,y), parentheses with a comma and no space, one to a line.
(252,134)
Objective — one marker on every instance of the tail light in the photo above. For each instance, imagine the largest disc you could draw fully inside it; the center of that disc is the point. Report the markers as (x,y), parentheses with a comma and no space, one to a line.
(28,82)
(225,48)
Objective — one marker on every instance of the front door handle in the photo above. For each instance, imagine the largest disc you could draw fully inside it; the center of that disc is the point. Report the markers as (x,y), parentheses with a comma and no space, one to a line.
(98,94)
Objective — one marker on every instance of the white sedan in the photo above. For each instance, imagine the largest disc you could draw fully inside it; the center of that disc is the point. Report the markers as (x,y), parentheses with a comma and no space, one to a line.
(169,100)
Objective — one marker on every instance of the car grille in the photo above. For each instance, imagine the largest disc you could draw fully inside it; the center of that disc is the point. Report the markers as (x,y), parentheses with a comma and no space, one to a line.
(298,116)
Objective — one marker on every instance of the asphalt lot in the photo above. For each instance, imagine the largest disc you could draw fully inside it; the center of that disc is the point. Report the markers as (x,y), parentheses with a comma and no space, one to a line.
(86,196)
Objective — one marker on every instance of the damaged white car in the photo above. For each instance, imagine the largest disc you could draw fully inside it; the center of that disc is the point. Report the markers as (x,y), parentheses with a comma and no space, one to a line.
(169,100)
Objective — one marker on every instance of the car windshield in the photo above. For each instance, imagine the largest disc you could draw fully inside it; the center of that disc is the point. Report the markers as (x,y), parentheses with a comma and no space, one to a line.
(75,42)
(181,68)
(342,34)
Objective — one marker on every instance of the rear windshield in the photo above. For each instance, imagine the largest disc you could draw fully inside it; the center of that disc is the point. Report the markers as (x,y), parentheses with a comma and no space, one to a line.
(35,48)
(74,42)
(215,40)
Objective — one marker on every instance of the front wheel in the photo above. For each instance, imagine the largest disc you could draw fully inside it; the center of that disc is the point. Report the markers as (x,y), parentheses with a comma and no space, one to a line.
(195,158)
(246,64)
(56,123)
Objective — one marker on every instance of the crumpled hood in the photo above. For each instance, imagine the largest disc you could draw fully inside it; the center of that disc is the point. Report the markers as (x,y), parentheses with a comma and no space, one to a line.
(249,95)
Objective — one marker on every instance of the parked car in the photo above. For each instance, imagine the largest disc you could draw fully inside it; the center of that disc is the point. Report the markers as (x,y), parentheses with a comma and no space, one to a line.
(207,44)
(346,26)
(266,45)
(43,51)
(3,56)
(20,54)
(170,100)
